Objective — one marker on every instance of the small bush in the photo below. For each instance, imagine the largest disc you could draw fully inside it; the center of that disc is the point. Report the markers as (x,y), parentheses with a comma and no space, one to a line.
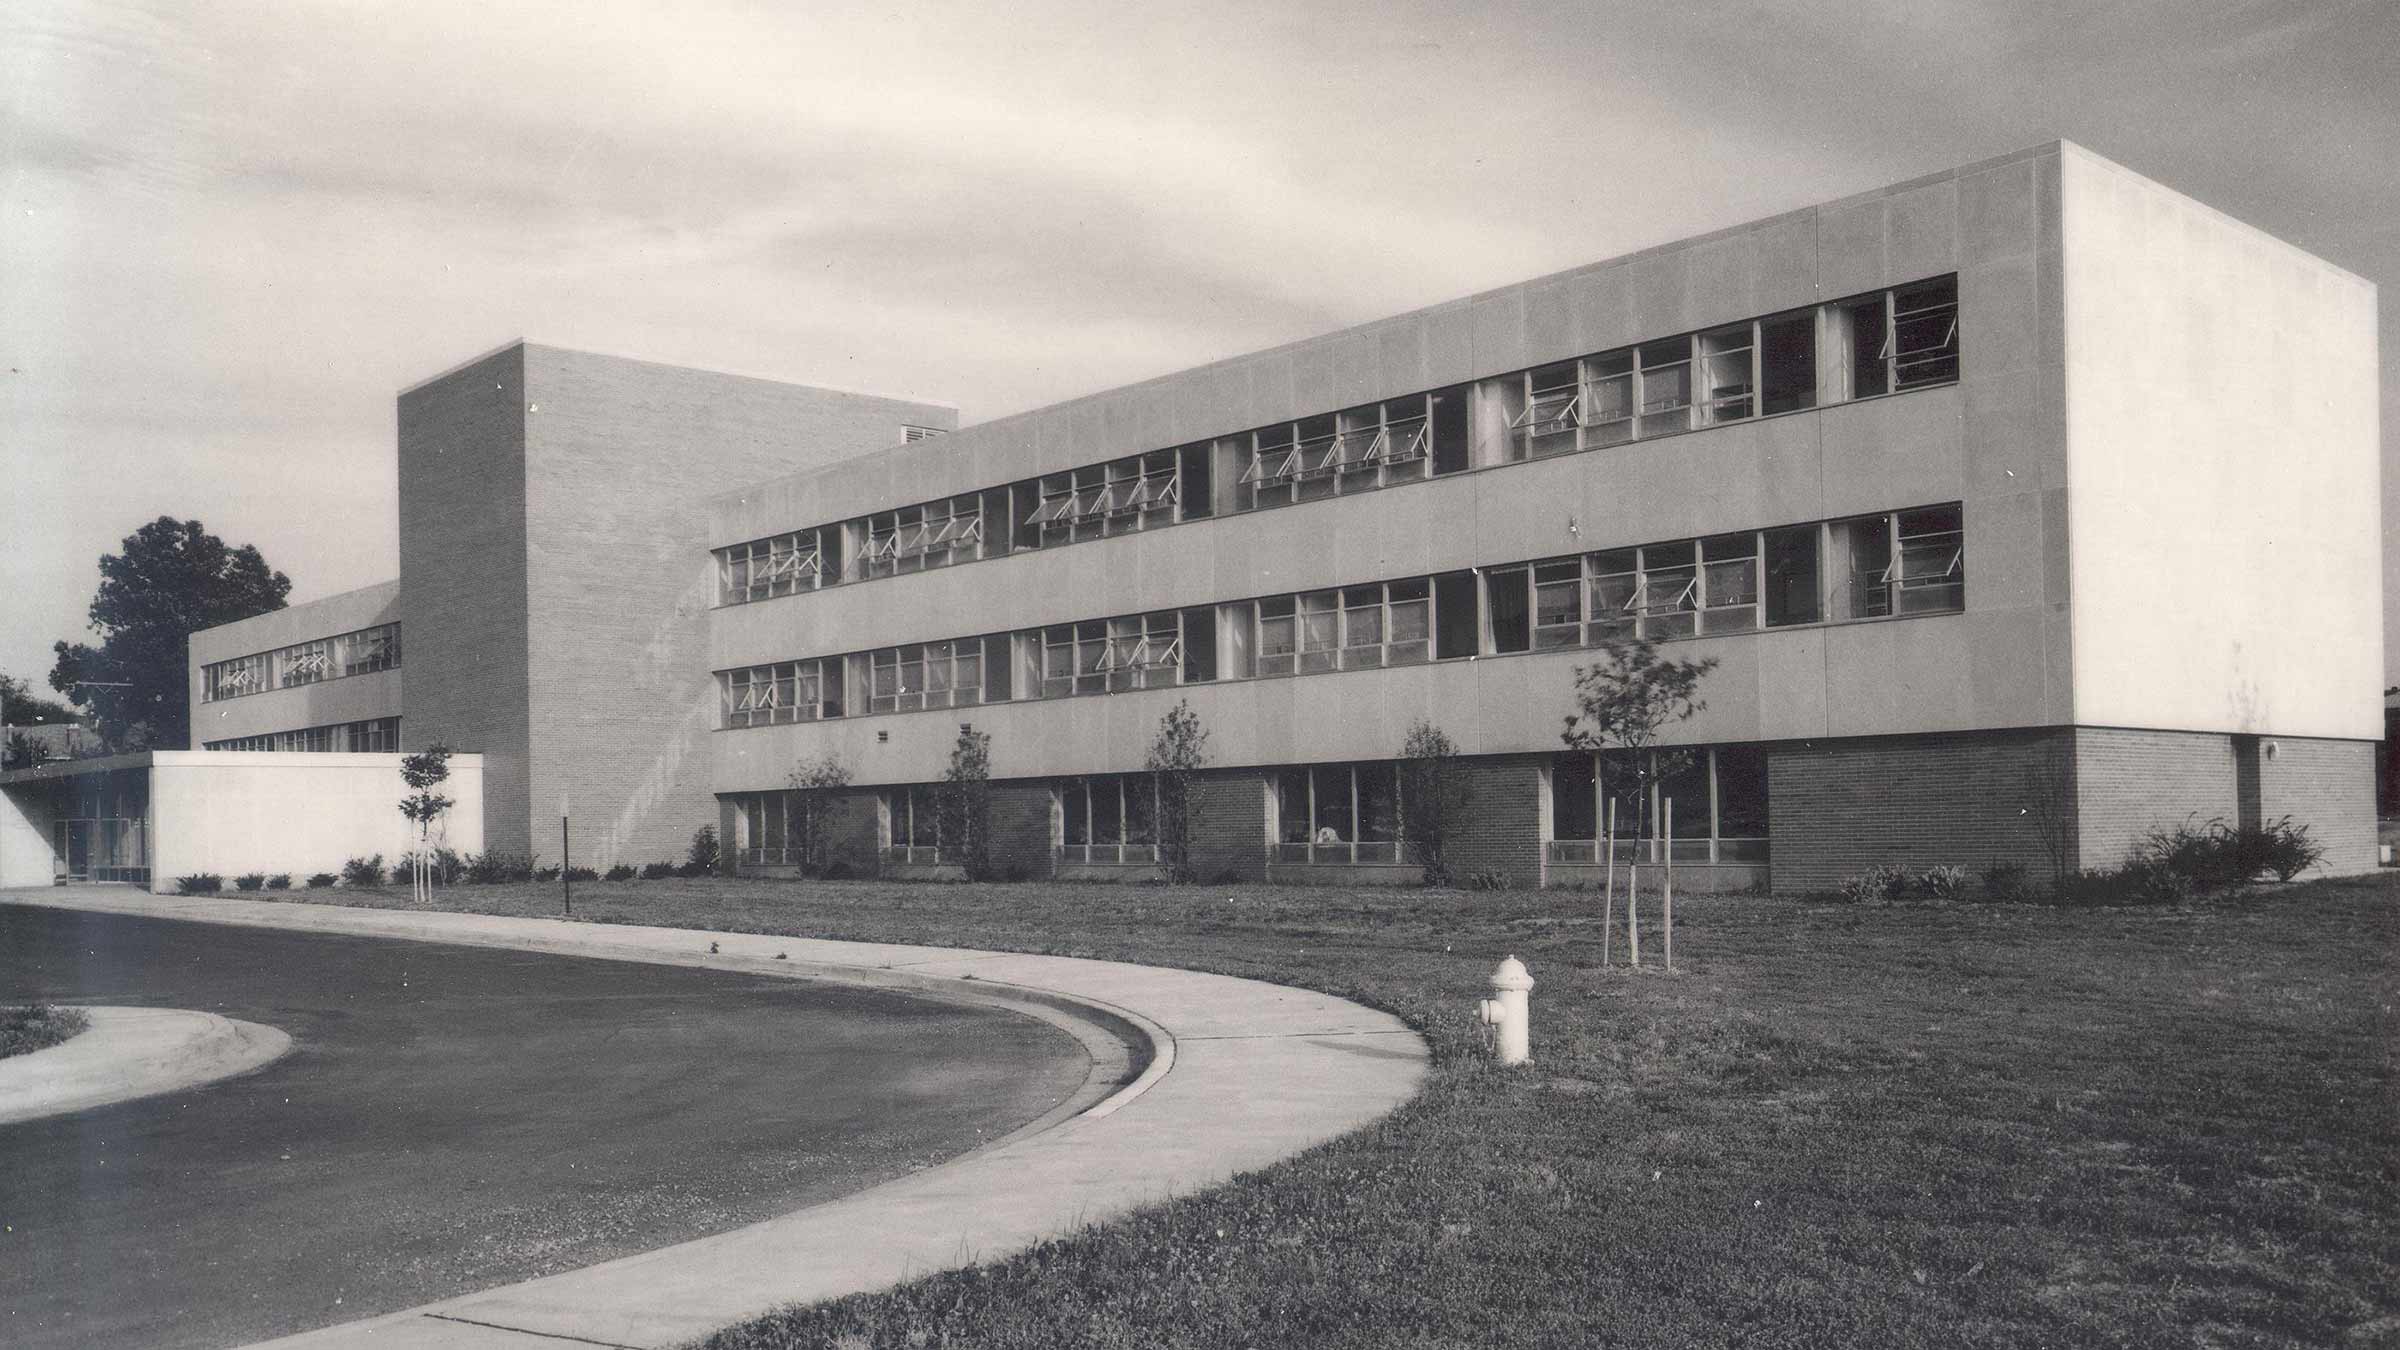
(2005,882)
(545,874)
(318,881)
(38,1026)
(1487,880)
(250,881)
(2289,851)
(619,872)
(1015,872)
(702,859)
(199,883)
(1942,883)
(448,866)
(2139,881)
(1883,881)
(363,871)
(657,871)
(839,871)
(582,874)
(489,869)
(281,881)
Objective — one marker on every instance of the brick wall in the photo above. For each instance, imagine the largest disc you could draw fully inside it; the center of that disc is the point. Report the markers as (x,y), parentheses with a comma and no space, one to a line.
(2328,786)
(1229,824)
(854,834)
(462,594)
(1020,825)
(2129,782)
(1966,800)
(1500,829)
(556,578)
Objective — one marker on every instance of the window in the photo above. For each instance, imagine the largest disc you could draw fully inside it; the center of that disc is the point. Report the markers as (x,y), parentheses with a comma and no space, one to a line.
(1278,636)
(1558,604)
(1670,590)
(1792,576)
(1729,583)
(783,565)
(1409,626)
(1729,385)
(910,435)
(789,691)
(1616,595)
(1199,645)
(1457,621)
(1608,399)
(378,736)
(1320,632)
(1553,410)
(1924,345)
(912,824)
(1338,813)
(1504,593)
(1362,627)
(1107,819)
(1787,362)
(1929,573)
(356,653)
(1718,795)
(1666,370)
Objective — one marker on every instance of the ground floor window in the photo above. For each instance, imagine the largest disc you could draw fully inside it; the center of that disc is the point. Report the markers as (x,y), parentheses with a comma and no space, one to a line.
(378,736)
(912,824)
(1719,795)
(1106,819)
(1341,813)
(100,826)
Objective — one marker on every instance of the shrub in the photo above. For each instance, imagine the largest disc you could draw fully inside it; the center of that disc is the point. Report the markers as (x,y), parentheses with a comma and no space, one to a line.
(199,883)
(620,872)
(486,869)
(318,881)
(1943,883)
(281,881)
(448,866)
(657,871)
(250,881)
(582,874)
(2140,881)
(703,856)
(1016,872)
(1487,880)
(545,874)
(2289,850)
(1883,881)
(363,871)
(2004,882)
(839,871)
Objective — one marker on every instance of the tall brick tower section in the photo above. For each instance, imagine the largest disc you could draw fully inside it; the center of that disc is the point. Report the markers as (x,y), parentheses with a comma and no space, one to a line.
(556,578)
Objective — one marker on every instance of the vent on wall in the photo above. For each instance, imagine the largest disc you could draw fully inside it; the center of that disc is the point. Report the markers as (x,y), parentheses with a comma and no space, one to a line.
(910,435)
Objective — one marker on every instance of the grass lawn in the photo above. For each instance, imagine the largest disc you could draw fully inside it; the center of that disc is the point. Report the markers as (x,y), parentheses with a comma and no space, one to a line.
(38,1026)
(1839,1126)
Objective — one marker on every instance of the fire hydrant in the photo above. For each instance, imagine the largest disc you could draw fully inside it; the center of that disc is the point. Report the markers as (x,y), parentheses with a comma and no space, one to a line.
(1506,1012)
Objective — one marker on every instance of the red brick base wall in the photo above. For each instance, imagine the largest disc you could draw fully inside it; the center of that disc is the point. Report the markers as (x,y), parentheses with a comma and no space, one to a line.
(1229,825)
(1968,800)
(2328,786)
(2130,782)
(1500,826)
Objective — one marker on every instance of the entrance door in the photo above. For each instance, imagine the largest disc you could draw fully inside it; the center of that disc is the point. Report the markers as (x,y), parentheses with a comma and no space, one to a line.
(78,848)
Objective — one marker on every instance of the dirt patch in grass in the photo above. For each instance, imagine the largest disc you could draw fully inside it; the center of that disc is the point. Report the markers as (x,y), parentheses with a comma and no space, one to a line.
(1931,1126)
(39,1026)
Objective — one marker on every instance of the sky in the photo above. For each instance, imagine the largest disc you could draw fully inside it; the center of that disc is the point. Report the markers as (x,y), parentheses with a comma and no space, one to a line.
(231,233)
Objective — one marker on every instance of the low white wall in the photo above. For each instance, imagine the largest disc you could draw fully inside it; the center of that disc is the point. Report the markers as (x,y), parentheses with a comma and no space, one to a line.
(231,812)
(25,851)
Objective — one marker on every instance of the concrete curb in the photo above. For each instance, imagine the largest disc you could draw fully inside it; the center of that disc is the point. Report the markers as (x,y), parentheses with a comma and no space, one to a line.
(129,1053)
(1238,1074)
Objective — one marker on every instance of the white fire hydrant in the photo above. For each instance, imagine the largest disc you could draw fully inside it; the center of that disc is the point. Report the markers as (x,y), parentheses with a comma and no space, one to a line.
(1507,1012)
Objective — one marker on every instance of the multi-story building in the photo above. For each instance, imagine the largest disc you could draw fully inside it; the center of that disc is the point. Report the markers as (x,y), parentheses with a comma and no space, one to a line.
(2029,499)
(2021,509)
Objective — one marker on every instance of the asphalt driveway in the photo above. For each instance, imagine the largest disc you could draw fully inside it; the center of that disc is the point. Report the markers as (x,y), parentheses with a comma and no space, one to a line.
(453,1118)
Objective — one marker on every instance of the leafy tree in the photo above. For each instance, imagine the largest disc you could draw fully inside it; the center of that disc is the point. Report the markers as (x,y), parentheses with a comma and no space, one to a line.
(966,803)
(1432,793)
(24,752)
(19,707)
(424,771)
(1178,753)
(815,785)
(1624,700)
(173,579)
(704,855)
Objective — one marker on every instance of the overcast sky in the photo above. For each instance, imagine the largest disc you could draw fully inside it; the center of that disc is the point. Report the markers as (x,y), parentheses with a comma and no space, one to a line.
(230,233)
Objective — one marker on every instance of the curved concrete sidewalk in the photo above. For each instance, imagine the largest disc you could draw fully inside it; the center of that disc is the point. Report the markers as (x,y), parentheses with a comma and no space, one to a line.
(129,1053)
(1241,1074)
